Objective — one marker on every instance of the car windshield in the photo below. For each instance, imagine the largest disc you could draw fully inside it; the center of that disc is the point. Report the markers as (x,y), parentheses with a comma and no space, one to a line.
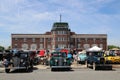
(59,54)
(98,54)
(23,55)
(112,53)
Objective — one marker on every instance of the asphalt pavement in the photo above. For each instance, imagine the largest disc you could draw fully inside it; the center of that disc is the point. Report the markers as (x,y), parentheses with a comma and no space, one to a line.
(73,66)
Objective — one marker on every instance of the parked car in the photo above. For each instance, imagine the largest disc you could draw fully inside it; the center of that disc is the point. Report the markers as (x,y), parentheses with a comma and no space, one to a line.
(81,58)
(96,60)
(1,55)
(35,56)
(112,58)
(59,60)
(42,57)
(20,60)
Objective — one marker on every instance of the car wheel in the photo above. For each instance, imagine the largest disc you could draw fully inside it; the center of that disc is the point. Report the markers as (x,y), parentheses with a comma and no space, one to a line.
(52,69)
(110,67)
(86,63)
(27,69)
(7,70)
(94,66)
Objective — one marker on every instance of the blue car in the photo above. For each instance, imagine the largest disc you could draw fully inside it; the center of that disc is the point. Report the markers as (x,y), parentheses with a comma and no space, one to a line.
(81,58)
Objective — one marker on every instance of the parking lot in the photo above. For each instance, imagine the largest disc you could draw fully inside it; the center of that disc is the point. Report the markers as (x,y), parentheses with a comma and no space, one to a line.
(73,66)
(40,73)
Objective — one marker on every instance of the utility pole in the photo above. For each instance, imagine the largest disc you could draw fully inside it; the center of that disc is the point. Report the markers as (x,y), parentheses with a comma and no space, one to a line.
(60,17)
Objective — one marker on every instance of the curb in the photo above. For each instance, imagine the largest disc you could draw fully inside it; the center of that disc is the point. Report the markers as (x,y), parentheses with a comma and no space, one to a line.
(72,66)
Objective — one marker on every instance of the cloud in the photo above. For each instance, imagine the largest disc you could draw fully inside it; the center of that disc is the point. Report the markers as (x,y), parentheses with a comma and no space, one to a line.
(37,16)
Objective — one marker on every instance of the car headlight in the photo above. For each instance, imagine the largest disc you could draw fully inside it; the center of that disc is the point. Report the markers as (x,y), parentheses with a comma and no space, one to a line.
(41,58)
(21,60)
(11,60)
(56,60)
(64,60)
(98,59)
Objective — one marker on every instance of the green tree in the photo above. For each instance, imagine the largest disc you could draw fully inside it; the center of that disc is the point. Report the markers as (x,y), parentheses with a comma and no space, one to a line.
(2,48)
(113,46)
(9,47)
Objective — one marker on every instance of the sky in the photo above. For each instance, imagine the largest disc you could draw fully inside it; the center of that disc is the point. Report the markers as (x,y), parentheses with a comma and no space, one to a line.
(38,16)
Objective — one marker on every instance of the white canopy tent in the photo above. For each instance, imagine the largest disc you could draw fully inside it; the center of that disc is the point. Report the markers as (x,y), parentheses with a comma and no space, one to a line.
(95,48)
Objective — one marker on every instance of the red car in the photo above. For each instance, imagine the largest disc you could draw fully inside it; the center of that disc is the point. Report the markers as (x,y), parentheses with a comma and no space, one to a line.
(64,50)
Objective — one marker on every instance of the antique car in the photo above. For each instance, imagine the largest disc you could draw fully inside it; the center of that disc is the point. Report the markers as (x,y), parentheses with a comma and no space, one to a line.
(59,60)
(81,58)
(35,56)
(64,50)
(42,57)
(112,57)
(1,55)
(20,60)
(96,60)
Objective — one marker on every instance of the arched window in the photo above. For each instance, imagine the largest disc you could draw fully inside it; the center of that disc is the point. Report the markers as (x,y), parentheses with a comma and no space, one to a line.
(24,46)
(33,47)
(41,46)
(101,45)
(86,46)
(94,45)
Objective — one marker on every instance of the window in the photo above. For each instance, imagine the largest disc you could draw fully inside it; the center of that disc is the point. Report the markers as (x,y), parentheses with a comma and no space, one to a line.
(25,40)
(101,45)
(61,45)
(53,46)
(24,46)
(49,39)
(94,40)
(41,39)
(33,39)
(68,39)
(33,46)
(59,39)
(86,40)
(16,39)
(78,39)
(41,46)
(78,45)
(16,45)
(61,32)
(72,39)
(53,39)
(53,32)
(94,45)
(101,40)
(48,46)
(86,46)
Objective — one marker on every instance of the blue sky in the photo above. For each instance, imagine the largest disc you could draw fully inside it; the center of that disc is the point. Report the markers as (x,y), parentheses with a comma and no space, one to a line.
(38,16)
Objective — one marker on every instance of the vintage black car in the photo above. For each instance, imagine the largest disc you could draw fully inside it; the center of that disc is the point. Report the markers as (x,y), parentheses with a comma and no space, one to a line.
(19,60)
(96,60)
(1,55)
(59,60)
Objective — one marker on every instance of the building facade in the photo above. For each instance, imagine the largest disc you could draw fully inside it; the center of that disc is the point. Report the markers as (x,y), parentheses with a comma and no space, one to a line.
(60,36)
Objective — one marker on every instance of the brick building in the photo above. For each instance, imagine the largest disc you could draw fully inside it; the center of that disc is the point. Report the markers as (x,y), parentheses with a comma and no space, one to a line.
(59,36)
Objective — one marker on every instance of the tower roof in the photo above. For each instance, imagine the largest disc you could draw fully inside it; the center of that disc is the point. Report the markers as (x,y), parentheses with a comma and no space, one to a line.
(60,26)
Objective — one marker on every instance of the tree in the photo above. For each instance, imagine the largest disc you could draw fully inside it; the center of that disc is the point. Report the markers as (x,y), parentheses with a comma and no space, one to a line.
(9,47)
(2,48)
(113,46)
